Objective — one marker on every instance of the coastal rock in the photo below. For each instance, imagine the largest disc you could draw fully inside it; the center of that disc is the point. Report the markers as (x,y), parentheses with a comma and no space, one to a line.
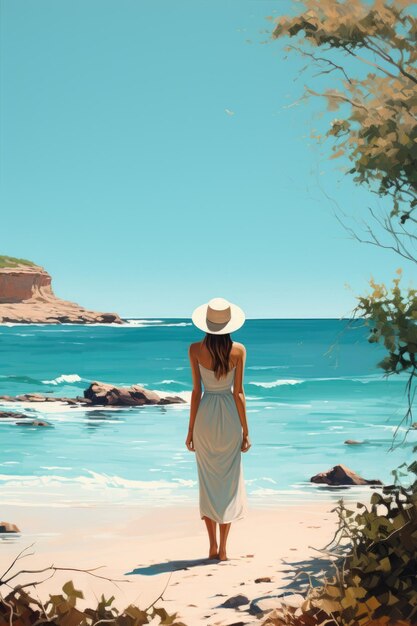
(97,394)
(342,475)
(171,400)
(7,527)
(104,394)
(31,397)
(33,423)
(13,414)
(353,442)
(234,601)
(26,297)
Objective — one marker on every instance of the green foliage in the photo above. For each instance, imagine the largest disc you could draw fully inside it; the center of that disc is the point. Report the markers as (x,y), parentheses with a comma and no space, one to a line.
(379,132)
(19,608)
(392,315)
(10,261)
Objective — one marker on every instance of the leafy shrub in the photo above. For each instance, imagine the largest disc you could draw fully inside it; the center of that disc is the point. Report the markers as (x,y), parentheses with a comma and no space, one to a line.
(375,582)
(19,608)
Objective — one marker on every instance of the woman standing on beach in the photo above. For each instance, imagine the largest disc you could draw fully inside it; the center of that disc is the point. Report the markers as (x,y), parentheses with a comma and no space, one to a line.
(218,430)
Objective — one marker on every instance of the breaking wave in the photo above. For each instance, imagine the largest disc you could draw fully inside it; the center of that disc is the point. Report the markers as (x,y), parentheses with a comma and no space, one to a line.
(63,378)
(277,383)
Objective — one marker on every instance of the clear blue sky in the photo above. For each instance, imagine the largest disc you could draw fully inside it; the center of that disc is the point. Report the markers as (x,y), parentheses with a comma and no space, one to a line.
(124,176)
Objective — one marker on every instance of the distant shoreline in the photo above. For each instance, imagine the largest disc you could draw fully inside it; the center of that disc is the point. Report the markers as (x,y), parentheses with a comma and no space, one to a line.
(126,320)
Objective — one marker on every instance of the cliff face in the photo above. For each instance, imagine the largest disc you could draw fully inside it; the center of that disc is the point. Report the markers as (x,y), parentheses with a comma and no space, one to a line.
(26,296)
(24,283)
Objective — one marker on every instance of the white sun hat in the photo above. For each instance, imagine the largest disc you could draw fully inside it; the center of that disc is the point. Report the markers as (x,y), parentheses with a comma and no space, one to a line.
(218,317)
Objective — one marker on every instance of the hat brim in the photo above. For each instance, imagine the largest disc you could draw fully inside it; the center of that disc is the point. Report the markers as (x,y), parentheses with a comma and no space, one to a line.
(199,319)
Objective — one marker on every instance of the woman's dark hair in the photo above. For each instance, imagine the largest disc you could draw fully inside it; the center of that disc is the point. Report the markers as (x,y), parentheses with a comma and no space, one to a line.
(219,347)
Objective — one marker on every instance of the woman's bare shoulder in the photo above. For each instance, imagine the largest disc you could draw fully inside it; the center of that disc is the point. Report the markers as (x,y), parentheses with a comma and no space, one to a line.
(194,348)
(238,350)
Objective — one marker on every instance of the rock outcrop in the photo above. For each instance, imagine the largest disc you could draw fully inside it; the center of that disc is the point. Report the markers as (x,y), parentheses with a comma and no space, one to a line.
(33,423)
(97,394)
(342,475)
(103,394)
(8,527)
(26,297)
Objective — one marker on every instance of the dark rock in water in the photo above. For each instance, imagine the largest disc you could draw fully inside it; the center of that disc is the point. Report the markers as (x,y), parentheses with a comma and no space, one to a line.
(13,414)
(414,426)
(31,397)
(82,400)
(342,475)
(353,442)
(33,423)
(104,394)
(100,394)
(171,400)
(7,527)
(235,601)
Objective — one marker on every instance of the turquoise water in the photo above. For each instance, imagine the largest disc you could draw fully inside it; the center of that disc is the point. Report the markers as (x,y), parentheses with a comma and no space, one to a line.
(310,385)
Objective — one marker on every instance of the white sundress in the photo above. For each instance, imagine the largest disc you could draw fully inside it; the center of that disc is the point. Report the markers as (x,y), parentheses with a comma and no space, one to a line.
(217,438)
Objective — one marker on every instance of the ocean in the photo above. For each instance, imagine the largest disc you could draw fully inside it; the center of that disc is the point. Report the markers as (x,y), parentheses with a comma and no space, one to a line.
(310,385)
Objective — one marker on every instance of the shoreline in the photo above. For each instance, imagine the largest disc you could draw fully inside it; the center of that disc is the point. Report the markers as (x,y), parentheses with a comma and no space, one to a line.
(151,547)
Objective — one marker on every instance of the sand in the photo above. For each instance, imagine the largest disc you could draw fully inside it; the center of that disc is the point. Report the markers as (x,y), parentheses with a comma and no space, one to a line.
(167,548)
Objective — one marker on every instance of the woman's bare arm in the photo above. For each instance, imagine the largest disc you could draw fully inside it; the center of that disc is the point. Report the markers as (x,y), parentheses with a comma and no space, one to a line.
(238,391)
(196,392)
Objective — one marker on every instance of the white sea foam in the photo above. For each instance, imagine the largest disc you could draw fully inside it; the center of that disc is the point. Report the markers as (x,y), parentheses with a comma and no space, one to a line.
(92,489)
(185,483)
(294,381)
(64,378)
(277,383)
(267,367)
(185,395)
(142,323)
(179,324)
(265,491)
(96,479)
(126,322)
(56,407)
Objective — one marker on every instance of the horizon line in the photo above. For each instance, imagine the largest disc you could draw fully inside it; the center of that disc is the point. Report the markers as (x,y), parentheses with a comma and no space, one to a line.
(247,319)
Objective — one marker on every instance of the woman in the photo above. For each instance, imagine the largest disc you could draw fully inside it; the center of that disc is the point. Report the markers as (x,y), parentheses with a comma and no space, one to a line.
(218,430)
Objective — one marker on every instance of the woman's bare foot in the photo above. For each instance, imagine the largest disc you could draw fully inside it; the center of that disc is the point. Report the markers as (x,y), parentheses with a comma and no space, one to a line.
(222,555)
(214,552)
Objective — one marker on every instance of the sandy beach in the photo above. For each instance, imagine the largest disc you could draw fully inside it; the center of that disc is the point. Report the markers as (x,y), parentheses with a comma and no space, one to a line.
(166,548)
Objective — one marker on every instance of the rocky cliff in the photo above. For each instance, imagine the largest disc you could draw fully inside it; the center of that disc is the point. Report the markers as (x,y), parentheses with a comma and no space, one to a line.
(26,297)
